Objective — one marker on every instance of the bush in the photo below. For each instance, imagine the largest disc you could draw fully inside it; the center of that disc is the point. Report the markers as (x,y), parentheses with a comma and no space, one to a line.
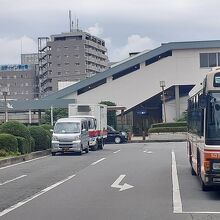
(32,143)
(16,128)
(40,137)
(8,143)
(46,127)
(167,129)
(3,153)
(170,124)
(23,145)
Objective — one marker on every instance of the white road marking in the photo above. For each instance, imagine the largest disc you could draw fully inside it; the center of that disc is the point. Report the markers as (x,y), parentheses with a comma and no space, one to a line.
(121,187)
(148,152)
(4,212)
(94,163)
(16,164)
(9,181)
(116,151)
(177,203)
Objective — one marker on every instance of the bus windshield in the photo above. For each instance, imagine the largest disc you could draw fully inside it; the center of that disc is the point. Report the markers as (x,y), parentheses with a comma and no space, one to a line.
(213,119)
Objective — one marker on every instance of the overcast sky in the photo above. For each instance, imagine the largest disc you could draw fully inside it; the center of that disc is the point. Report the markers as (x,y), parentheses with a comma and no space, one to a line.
(127,26)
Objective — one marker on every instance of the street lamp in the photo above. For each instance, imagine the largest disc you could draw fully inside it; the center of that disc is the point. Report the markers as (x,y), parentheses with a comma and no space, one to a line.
(5,92)
(162,85)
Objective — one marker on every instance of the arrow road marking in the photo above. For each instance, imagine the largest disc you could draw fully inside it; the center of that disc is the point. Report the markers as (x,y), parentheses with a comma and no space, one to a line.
(121,187)
(8,181)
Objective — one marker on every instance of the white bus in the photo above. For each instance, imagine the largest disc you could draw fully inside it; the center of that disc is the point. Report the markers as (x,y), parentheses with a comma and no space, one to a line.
(204,130)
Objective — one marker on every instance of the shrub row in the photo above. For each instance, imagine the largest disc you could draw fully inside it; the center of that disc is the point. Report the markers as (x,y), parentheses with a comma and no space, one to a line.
(169,124)
(167,129)
(16,137)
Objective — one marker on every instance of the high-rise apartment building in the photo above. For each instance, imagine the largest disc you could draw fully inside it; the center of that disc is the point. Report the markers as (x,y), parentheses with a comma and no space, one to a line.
(69,57)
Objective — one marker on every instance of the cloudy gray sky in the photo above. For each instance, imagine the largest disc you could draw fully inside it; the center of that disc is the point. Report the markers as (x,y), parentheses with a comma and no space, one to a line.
(131,25)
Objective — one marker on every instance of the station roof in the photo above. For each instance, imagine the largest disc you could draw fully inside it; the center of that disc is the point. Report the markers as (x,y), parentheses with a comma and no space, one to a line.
(132,61)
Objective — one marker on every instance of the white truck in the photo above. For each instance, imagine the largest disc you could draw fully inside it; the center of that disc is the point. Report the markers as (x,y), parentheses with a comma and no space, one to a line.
(96,115)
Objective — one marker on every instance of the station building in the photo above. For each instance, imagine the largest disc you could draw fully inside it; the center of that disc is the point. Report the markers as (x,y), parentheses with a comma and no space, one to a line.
(135,82)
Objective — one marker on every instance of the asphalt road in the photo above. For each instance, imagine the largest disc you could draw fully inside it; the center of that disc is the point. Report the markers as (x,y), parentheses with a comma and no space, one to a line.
(121,182)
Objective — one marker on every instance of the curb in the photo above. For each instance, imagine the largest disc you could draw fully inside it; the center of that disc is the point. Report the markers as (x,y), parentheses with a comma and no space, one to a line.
(22,158)
(156,141)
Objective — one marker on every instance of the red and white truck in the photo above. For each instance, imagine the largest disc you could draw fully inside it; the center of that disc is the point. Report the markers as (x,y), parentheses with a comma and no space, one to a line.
(96,116)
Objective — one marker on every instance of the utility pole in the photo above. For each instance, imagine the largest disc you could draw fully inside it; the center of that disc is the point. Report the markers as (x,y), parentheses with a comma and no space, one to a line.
(5,93)
(162,85)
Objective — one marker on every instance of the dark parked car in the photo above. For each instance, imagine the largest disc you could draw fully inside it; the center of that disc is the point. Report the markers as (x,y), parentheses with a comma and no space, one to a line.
(116,136)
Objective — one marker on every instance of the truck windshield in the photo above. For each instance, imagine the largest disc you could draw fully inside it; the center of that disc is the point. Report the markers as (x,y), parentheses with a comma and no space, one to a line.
(213,119)
(67,128)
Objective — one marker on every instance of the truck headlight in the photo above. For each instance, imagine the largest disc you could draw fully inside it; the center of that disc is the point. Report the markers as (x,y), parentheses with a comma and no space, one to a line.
(55,138)
(76,138)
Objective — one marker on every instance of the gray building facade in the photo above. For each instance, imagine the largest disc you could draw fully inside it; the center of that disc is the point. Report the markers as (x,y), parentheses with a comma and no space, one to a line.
(19,81)
(29,58)
(70,57)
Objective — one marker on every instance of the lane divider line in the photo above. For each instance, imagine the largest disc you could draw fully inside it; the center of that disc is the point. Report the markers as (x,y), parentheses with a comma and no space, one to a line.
(9,181)
(4,212)
(177,202)
(16,164)
(94,163)
(116,151)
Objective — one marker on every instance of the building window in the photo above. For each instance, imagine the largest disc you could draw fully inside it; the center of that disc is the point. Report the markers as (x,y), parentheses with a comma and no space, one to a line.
(58,64)
(77,55)
(209,59)
(76,47)
(59,73)
(77,64)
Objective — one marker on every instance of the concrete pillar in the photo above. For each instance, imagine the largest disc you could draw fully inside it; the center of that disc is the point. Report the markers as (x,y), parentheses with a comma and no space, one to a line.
(29,116)
(177,101)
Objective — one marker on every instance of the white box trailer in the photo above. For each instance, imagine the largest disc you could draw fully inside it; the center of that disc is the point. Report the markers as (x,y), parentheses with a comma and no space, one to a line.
(96,115)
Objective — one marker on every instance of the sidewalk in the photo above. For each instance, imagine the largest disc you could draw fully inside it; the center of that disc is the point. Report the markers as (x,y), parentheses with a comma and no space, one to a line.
(139,139)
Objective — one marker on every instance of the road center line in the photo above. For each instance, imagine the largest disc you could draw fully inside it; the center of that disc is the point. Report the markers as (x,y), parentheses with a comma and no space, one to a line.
(28,161)
(9,181)
(116,151)
(177,203)
(4,212)
(94,163)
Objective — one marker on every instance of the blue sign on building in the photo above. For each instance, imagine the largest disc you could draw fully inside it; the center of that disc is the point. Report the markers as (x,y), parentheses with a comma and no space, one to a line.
(14,67)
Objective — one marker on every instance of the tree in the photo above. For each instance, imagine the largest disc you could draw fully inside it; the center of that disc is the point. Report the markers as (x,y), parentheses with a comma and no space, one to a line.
(111,115)
(57,113)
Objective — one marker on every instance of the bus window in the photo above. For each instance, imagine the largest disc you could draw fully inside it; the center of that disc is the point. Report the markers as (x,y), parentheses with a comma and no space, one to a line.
(213,117)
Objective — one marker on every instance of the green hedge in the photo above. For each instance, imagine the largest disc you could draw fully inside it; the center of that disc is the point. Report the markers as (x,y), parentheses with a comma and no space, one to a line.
(169,124)
(40,137)
(32,142)
(8,143)
(16,128)
(167,129)
(24,146)
(46,127)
